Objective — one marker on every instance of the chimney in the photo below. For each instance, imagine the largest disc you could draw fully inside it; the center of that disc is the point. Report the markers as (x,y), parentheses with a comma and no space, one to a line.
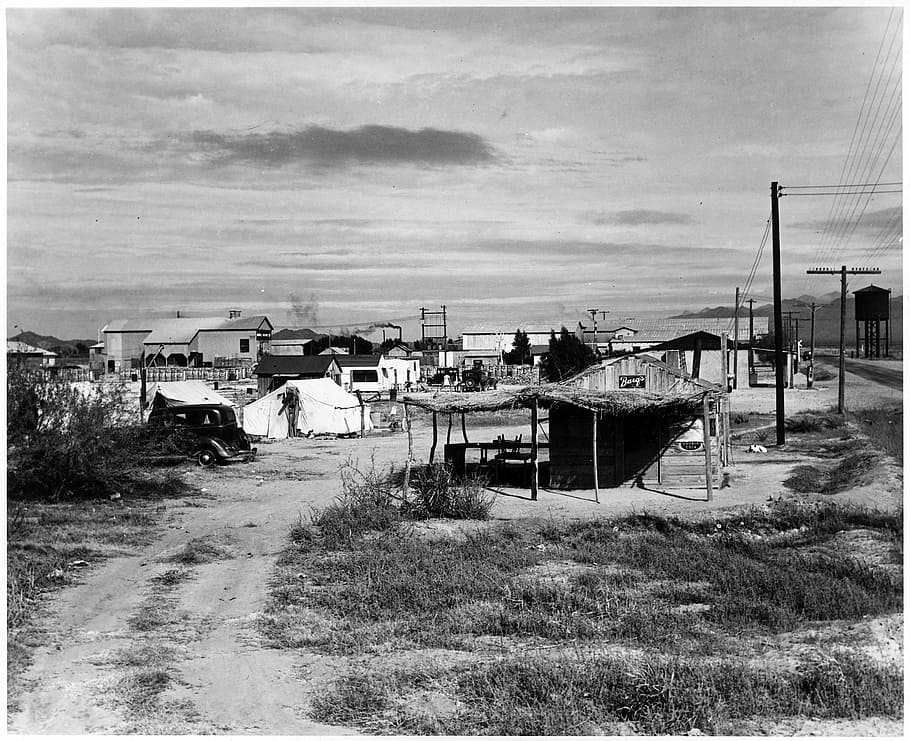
(233,313)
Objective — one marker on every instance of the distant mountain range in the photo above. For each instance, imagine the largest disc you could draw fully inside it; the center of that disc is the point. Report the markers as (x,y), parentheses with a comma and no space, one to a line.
(64,348)
(827,319)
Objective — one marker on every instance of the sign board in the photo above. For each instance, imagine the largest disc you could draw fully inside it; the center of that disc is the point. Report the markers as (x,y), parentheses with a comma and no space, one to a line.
(632,382)
(263,335)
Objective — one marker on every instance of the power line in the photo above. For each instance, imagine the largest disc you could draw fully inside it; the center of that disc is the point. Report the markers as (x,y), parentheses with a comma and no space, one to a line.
(840,185)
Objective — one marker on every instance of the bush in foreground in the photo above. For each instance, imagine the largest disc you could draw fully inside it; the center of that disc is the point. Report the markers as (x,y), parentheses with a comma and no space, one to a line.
(371,501)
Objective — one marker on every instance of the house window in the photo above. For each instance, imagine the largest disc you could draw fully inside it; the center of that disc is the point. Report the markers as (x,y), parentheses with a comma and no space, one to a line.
(364,376)
(245,344)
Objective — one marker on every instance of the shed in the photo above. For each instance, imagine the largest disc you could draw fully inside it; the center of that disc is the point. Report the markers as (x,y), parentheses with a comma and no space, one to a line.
(273,371)
(634,435)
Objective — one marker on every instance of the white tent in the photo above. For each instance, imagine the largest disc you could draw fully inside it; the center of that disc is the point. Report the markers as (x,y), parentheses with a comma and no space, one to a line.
(177,393)
(325,407)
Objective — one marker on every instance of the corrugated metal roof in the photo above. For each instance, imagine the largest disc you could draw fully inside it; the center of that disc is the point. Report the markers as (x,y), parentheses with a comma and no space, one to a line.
(128,325)
(180,331)
(295,334)
(663,330)
(508,328)
(358,361)
(22,348)
(293,365)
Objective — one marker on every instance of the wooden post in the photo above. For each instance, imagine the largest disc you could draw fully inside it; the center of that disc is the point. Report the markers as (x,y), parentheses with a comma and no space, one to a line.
(594,450)
(362,412)
(707,441)
(736,340)
(534,464)
(660,446)
(724,361)
(449,431)
(435,439)
(407,467)
(728,457)
(464,431)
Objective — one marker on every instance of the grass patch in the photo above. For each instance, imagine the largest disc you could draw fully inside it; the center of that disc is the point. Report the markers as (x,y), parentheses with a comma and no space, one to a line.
(851,471)
(884,427)
(201,550)
(813,422)
(592,695)
(621,579)
(140,689)
(435,492)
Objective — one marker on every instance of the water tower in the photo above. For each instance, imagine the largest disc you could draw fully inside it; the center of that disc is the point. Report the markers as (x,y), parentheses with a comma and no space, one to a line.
(872,307)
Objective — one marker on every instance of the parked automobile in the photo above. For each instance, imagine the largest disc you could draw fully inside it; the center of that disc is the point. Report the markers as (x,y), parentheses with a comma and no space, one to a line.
(218,438)
(477,379)
(439,377)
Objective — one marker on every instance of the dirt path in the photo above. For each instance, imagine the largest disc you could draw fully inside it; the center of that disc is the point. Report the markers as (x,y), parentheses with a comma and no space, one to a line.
(223,679)
(127,654)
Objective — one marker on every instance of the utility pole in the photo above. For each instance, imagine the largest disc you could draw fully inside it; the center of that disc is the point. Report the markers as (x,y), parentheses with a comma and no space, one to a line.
(842,367)
(751,338)
(778,318)
(593,313)
(810,372)
(735,337)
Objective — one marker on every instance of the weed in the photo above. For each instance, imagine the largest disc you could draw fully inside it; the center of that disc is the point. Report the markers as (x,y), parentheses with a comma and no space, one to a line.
(810,422)
(849,472)
(201,550)
(436,493)
(171,578)
(140,689)
(885,428)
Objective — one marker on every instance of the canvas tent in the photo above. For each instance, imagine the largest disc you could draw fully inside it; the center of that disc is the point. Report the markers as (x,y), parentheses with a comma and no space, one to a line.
(325,408)
(180,393)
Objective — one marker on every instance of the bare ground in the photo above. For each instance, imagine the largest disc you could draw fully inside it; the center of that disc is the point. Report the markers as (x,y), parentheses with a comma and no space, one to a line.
(198,665)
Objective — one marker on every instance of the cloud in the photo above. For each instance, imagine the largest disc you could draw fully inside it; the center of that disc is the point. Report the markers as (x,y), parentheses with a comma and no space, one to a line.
(365,145)
(640,217)
(871,221)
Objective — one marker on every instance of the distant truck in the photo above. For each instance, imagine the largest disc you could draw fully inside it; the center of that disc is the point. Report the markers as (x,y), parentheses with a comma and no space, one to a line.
(439,377)
(477,379)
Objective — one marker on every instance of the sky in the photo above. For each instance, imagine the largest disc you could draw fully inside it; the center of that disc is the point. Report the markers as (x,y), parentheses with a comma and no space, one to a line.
(347,167)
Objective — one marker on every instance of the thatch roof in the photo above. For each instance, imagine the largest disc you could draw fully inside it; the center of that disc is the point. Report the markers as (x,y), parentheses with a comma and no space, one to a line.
(613,403)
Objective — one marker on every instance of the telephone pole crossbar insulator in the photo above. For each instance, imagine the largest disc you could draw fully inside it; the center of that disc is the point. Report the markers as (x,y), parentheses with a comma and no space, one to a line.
(842,366)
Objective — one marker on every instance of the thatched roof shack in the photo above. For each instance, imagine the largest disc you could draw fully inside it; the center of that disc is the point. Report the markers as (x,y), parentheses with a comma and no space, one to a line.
(599,436)
(607,403)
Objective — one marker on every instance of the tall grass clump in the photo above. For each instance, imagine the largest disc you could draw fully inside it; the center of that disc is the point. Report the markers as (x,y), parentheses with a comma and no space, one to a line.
(435,492)
(367,502)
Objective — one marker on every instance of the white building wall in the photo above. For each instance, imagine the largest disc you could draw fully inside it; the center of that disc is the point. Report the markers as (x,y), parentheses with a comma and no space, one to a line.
(225,344)
(121,347)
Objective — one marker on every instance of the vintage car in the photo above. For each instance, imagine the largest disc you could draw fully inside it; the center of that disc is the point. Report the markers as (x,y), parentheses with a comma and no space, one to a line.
(217,437)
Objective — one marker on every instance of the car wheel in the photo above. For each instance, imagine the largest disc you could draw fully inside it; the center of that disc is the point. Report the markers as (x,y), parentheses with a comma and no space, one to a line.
(205,458)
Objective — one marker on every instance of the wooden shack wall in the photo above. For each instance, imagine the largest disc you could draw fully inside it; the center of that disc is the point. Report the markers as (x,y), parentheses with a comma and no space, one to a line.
(657,379)
(571,448)
(636,449)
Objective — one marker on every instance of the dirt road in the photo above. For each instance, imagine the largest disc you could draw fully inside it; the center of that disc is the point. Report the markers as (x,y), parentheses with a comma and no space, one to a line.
(150,644)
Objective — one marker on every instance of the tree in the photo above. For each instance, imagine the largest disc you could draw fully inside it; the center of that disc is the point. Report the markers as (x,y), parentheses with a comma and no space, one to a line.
(520,354)
(567,355)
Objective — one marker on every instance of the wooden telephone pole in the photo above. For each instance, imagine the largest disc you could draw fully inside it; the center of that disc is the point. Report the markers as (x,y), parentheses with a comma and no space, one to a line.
(843,272)
(778,318)
(810,373)
(735,338)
